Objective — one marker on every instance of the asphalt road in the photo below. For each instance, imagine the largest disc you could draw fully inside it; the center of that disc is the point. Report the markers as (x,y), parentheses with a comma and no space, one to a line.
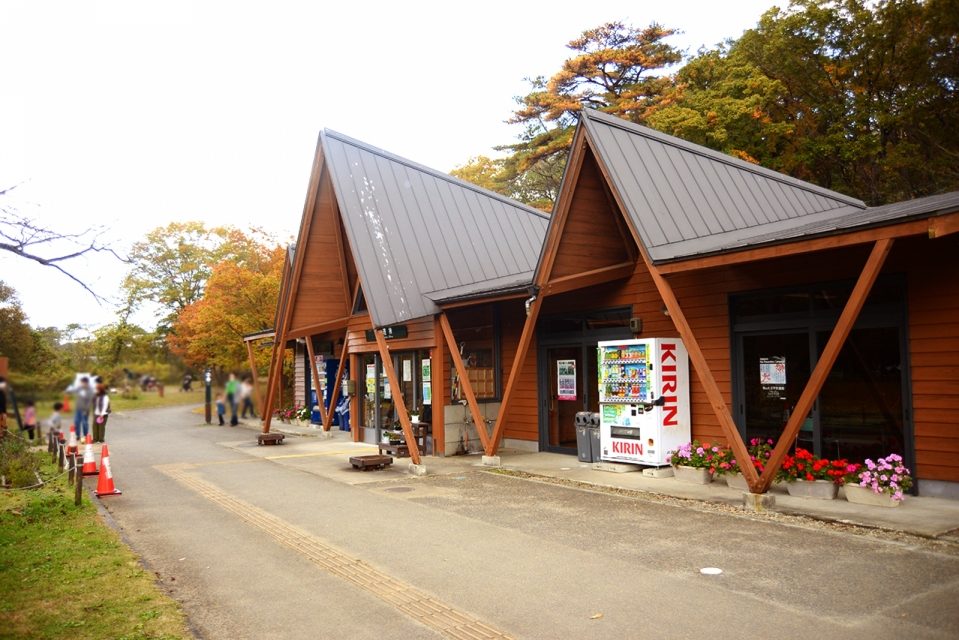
(258,549)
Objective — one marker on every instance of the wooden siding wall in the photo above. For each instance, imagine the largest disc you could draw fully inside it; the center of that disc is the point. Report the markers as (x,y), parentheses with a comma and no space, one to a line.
(933,301)
(591,237)
(419,335)
(319,296)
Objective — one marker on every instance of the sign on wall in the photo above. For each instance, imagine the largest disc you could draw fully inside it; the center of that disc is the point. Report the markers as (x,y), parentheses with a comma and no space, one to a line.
(395,332)
(566,379)
(427,382)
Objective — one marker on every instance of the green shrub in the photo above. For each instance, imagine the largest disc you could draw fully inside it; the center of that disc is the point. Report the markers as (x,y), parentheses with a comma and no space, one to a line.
(18,463)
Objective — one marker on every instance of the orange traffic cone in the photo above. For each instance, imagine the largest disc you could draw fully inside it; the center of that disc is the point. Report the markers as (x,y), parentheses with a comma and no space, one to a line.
(72,444)
(89,462)
(66,402)
(105,482)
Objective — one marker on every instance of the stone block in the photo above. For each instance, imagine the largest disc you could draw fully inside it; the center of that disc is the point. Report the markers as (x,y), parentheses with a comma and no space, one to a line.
(417,469)
(491,461)
(759,501)
(658,472)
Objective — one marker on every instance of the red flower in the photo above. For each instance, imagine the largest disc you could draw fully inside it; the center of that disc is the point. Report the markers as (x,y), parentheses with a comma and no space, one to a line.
(809,477)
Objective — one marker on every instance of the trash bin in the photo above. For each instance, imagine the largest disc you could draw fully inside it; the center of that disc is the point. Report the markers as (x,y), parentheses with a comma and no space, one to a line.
(594,448)
(583,450)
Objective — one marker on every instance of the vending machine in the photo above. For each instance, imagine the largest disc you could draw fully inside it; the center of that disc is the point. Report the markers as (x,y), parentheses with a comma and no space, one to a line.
(644,400)
(326,370)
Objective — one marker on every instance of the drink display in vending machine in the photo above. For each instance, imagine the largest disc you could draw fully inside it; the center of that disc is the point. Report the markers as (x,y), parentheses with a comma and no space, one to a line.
(644,399)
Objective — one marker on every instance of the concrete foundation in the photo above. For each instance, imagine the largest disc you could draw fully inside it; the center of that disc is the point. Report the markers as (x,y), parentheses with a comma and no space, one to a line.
(491,461)
(759,501)
(326,434)
(658,472)
(417,469)
(616,467)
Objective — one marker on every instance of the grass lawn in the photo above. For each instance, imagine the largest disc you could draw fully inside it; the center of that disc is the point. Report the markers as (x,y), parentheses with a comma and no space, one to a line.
(149,400)
(65,574)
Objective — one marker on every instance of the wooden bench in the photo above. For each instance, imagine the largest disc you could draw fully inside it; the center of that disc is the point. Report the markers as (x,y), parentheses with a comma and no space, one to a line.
(365,463)
(403,450)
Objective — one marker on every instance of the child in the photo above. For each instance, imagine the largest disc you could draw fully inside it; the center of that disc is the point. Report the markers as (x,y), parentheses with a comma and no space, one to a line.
(30,418)
(220,408)
(54,421)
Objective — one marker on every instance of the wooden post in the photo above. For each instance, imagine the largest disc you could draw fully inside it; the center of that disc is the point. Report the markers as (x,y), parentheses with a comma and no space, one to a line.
(316,381)
(355,400)
(78,496)
(465,381)
(437,382)
(818,377)
(529,329)
(71,467)
(344,354)
(256,380)
(397,396)
(713,393)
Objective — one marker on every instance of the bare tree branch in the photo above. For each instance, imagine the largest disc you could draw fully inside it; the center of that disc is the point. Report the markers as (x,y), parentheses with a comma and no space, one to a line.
(22,235)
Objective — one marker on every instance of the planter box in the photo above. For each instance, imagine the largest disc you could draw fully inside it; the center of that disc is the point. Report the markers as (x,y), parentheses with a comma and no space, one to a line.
(865,495)
(736,481)
(817,489)
(692,475)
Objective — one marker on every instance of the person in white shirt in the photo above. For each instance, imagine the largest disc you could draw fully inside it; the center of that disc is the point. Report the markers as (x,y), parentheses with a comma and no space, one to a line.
(101,410)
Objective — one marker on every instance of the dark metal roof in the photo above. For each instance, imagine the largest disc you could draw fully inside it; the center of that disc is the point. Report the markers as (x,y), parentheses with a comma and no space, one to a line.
(686,200)
(420,235)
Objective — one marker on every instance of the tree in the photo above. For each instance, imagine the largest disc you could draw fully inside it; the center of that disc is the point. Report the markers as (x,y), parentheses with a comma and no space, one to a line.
(240,298)
(172,264)
(33,364)
(855,96)
(613,69)
(24,236)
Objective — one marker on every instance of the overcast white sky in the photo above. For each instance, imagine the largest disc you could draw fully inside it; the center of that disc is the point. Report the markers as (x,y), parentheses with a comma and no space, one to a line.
(135,114)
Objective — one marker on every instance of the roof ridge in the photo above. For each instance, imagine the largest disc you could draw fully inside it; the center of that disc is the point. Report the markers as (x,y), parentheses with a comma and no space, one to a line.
(434,172)
(717,156)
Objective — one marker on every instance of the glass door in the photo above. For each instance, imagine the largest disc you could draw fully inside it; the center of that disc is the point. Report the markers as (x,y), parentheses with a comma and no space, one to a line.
(565,394)
(775,372)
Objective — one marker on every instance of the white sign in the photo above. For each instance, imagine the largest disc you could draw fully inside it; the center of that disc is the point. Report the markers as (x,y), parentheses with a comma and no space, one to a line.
(566,379)
(407,371)
(772,370)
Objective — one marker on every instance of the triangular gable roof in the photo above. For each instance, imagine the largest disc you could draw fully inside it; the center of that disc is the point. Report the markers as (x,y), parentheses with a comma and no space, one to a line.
(686,200)
(418,234)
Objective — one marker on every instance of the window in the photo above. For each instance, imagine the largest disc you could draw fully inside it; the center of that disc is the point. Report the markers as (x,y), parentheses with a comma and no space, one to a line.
(478,341)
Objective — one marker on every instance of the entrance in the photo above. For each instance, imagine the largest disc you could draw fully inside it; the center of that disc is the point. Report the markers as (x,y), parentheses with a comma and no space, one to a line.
(568,376)
(377,399)
(863,409)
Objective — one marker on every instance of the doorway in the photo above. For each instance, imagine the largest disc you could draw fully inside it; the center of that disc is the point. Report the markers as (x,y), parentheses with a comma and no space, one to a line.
(863,410)
(377,398)
(568,370)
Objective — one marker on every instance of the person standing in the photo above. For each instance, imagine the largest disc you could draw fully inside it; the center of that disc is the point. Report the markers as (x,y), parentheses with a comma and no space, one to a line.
(53,423)
(101,411)
(232,396)
(3,406)
(246,391)
(81,418)
(30,419)
(220,408)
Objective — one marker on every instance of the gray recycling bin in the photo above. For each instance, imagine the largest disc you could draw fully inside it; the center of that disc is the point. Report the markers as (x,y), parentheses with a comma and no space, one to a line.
(583,448)
(594,444)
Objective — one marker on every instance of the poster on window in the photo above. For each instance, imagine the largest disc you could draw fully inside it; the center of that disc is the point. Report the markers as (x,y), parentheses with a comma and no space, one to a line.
(427,382)
(566,379)
(407,371)
(772,376)
(321,372)
(370,379)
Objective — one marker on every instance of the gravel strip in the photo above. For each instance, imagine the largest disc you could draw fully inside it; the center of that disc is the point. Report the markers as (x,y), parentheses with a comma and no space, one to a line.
(944,544)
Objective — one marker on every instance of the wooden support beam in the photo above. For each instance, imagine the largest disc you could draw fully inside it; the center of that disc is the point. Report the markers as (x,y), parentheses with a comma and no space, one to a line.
(713,394)
(943,225)
(316,380)
(478,418)
(529,330)
(914,228)
(398,402)
(318,328)
(589,278)
(355,399)
(256,378)
(344,354)
(818,377)
(437,380)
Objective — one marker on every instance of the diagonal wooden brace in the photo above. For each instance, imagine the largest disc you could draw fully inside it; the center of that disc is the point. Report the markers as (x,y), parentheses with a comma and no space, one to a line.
(316,380)
(401,411)
(344,354)
(713,393)
(465,381)
(836,341)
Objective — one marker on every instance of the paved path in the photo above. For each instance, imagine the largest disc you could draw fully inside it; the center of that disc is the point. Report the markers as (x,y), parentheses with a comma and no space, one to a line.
(298,546)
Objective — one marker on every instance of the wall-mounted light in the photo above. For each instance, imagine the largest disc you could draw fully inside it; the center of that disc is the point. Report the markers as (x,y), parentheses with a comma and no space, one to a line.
(665,311)
(533,291)
(636,325)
